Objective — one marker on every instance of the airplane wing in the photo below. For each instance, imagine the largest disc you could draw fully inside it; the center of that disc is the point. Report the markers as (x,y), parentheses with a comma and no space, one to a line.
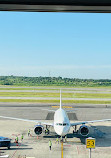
(19,119)
(87,122)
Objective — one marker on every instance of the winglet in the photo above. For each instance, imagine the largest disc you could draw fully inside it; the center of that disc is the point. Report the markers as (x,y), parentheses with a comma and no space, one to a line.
(60,100)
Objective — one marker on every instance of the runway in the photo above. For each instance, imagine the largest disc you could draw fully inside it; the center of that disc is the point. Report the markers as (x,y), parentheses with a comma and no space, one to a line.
(58,91)
(56,98)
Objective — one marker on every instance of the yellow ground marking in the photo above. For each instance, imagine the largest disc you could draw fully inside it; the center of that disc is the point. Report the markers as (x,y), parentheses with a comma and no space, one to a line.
(61,149)
(62,106)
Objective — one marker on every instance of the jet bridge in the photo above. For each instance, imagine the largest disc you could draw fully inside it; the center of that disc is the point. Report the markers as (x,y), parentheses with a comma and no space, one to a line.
(87,6)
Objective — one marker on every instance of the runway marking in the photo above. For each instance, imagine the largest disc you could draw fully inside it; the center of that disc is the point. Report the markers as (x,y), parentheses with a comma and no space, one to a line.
(16,150)
(67,145)
(15,134)
(78,150)
(82,149)
(62,106)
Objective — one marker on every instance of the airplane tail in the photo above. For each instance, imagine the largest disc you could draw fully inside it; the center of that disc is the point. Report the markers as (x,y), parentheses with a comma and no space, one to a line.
(60,100)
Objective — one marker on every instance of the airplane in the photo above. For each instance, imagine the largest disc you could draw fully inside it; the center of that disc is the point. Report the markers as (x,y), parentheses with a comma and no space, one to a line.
(61,123)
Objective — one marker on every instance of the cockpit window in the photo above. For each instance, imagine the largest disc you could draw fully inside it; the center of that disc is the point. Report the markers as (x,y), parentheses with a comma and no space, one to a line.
(62,124)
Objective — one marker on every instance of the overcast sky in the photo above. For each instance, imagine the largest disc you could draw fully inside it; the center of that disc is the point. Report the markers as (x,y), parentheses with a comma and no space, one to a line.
(75,45)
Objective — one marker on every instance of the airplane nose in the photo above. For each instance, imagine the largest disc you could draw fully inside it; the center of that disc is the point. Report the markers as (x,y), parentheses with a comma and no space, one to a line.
(62,132)
(59,131)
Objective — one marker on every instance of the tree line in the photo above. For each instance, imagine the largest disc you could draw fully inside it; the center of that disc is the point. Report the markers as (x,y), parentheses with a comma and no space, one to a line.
(50,81)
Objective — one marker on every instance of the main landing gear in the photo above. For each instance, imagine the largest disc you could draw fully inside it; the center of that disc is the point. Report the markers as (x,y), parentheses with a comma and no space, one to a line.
(75,131)
(47,130)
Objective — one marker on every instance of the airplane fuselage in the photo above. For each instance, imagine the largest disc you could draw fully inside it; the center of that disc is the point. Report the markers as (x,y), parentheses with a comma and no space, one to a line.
(61,122)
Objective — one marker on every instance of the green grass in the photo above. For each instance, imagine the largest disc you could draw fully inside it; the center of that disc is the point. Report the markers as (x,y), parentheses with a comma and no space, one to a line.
(10,87)
(55,101)
(47,94)
(92,95)
(32,94)
(36,88)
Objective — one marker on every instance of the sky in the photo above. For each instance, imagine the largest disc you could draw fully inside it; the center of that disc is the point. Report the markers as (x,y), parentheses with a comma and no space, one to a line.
(72,45)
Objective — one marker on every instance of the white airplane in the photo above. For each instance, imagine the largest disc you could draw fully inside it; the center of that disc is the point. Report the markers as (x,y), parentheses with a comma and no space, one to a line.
(61,123)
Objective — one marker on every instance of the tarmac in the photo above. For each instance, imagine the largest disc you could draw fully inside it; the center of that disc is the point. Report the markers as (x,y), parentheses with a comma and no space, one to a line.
(38,147)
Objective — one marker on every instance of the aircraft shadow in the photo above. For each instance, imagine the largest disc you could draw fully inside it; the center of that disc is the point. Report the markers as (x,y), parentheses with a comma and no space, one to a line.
(69,135)
(19,144)
(102,134)
(11,148)
(105,140)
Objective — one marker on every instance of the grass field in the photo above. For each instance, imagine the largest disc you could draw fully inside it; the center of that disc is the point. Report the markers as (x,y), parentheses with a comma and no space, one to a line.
(55,95)
(55,101)
(47,94)
(14,87)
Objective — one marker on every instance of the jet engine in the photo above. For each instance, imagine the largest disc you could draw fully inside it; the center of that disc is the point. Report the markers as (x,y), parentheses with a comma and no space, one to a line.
(38,129)
(84,130)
